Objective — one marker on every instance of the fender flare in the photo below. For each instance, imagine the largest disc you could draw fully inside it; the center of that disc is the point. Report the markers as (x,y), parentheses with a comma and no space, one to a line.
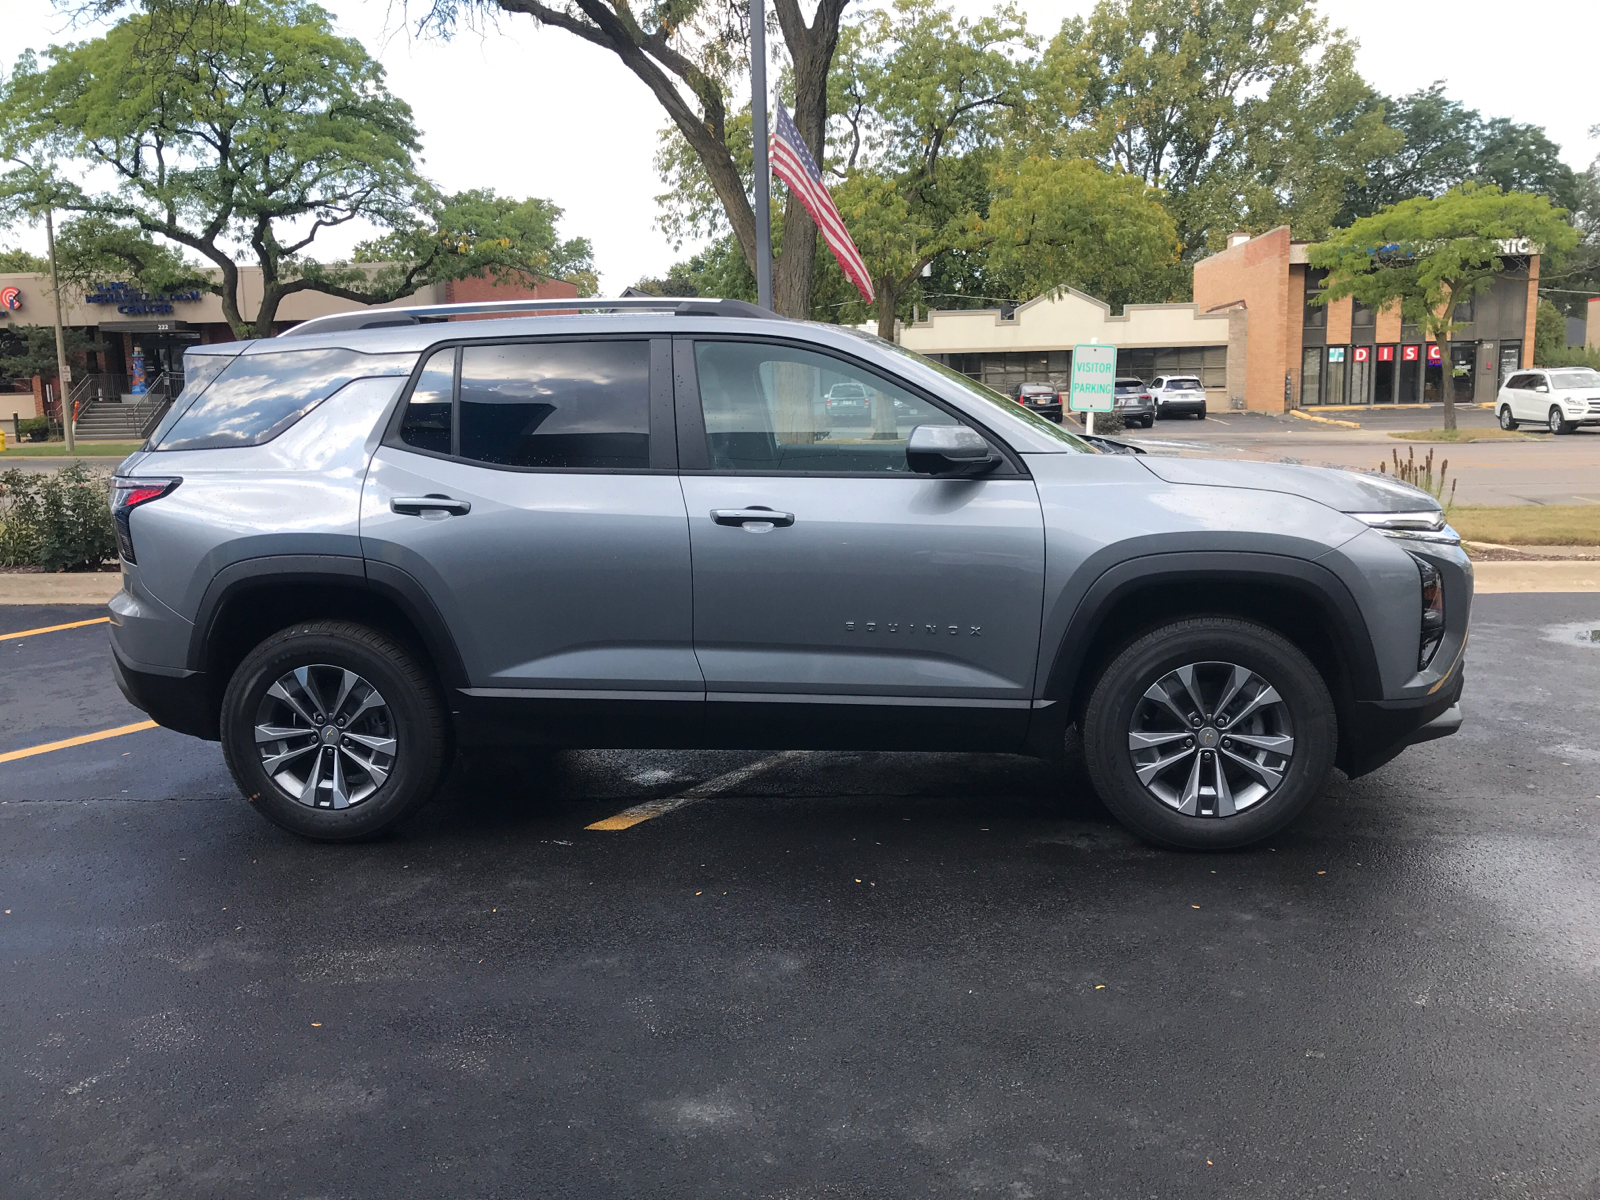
(1325,592)
(394,585)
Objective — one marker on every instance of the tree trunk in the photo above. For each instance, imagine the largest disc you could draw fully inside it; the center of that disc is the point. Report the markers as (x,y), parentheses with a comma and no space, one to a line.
(1441,338)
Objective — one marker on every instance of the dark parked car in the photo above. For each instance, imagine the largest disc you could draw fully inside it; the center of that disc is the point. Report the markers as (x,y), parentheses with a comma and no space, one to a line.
(1134,404)
(847,404)
(1042,398)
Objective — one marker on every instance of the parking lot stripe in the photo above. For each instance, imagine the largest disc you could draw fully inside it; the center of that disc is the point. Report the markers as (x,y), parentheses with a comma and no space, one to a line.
(80,740)
(701,791)
(6,637)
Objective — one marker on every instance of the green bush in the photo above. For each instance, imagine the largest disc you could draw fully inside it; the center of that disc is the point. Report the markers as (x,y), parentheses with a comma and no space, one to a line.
(1106,424)
(59,521)
(33,429)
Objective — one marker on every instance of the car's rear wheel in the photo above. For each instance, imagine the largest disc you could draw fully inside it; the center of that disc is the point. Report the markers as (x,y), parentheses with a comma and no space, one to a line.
(1202,414)
(1149,421)
(1209,734)
(1559,423)
(333,730)
(1507,421)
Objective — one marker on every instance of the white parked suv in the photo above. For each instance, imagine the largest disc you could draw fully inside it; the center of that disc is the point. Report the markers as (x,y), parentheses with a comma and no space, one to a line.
(1561,398)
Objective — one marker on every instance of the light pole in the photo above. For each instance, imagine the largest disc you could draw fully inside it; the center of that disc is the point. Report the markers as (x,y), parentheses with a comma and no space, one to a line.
(63,375)
(763,184)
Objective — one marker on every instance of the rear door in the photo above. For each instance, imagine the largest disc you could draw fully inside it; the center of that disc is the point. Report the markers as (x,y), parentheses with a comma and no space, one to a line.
(874,606)
(530,489)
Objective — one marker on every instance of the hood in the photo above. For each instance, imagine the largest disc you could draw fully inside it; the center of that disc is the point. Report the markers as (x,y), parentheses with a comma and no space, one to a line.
(1345,491)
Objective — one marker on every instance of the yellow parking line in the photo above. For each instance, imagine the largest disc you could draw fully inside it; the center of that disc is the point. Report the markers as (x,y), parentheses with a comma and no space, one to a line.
(6,637)
(80,740)
(629,817)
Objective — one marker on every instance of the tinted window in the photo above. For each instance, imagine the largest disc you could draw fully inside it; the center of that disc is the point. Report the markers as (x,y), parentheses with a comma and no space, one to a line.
(765,410)
(198,372)
(557,404)
(1183,385)
(427,421)
(257,396)
(1518,381)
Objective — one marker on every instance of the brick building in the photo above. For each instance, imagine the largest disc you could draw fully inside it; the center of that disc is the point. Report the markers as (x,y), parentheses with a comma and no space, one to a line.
(1302,354)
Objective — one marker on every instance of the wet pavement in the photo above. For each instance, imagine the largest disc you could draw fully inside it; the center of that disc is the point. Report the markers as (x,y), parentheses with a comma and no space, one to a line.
(853,975)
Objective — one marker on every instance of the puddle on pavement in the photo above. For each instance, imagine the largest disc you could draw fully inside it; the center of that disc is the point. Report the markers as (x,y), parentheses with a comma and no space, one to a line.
(1586,633)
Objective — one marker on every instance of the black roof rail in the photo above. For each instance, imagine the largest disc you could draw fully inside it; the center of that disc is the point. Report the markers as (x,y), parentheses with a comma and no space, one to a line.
(380,318)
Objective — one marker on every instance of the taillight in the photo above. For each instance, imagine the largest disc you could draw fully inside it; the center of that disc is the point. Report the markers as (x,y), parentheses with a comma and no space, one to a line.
(128,494)
(1432,611)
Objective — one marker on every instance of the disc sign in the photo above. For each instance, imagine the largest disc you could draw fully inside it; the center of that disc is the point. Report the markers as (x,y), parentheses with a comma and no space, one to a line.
(1094,374)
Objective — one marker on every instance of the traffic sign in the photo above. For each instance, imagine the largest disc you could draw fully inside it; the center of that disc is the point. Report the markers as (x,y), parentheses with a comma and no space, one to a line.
(1094,374)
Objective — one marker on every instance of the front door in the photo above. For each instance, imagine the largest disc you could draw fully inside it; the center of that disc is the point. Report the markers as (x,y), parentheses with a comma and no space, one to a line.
(873,606)
(530,490)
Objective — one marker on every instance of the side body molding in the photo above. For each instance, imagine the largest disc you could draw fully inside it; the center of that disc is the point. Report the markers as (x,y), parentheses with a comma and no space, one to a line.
(1324,594)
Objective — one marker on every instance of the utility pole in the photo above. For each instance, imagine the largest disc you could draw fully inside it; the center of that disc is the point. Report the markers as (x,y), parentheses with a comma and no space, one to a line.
(63,374)
(763,182)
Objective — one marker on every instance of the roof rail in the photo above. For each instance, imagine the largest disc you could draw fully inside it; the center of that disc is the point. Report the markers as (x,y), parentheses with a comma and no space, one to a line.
(379,318)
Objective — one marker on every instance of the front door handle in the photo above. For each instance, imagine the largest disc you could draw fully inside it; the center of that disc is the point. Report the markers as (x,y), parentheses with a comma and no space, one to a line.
(415,506)
(756,513)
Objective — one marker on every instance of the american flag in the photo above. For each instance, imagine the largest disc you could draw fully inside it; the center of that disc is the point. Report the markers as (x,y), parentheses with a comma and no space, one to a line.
(792,163)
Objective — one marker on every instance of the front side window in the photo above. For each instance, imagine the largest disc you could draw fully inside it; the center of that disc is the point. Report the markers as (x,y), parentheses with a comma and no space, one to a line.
(257,396)
(556,405)
(766,409)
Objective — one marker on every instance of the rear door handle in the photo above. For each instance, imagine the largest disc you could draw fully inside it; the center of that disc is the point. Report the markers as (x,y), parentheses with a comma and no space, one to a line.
(415,506)
(739,516)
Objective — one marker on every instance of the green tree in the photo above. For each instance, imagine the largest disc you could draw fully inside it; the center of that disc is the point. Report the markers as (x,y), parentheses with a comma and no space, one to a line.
(1428,255)
(1549,334)
(1447,144)
(21,262)
(1244,112)
(255,129)
(29,350)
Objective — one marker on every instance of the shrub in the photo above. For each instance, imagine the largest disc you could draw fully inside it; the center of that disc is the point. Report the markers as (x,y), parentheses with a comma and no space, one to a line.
(1107,424)
(59,521)
(33,429)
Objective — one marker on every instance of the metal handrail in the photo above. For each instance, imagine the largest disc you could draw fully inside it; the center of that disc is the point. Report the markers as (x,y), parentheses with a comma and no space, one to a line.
(378,318)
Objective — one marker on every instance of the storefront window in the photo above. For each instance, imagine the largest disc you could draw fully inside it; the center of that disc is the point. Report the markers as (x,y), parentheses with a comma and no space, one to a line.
(1333,391)
(1463,376)
(1310,376)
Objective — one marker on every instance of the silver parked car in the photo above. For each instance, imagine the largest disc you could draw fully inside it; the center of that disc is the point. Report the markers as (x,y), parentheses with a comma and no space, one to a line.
(352,548)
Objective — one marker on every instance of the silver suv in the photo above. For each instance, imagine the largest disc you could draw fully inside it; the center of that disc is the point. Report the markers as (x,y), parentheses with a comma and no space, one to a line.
(352,548)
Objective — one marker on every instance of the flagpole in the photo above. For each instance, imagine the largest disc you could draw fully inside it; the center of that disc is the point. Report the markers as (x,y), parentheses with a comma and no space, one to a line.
(763,180)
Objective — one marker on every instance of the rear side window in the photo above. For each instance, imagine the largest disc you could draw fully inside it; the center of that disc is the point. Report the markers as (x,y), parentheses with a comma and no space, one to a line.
(257,396)
(199,371)
(426,425)
(572,405)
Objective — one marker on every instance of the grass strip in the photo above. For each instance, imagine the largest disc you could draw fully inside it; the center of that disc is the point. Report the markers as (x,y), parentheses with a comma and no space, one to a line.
(1458,435)
(58,450)
(1528,524)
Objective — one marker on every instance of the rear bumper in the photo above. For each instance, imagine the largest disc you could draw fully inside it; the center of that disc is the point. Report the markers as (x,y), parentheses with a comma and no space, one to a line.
(179,700)
(1180,408)
(1050,411)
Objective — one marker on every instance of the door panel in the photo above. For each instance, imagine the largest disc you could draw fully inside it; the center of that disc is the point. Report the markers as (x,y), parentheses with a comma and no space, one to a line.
(551,580)
(897,587)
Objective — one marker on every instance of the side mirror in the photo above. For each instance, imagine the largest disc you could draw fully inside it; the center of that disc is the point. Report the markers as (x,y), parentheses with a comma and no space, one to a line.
(949,450)
(1543,387)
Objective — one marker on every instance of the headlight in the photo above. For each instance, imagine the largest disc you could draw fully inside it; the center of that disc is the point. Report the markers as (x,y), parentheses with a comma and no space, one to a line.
(1426,525)
(1432,611)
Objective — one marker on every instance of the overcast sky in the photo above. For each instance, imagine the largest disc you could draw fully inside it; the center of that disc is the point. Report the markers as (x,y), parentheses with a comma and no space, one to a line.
(531,111)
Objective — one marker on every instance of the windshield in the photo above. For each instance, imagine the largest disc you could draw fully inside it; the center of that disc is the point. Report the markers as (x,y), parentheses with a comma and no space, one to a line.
(1578,377)
(983,392)
(1184,384)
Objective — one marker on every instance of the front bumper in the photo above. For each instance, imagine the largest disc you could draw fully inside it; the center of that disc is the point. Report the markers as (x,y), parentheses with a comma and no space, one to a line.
(1376,731)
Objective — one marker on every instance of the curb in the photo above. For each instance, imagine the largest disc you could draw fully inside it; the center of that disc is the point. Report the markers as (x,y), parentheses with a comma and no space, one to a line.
(1305,416)
(86,588)
(1494,578)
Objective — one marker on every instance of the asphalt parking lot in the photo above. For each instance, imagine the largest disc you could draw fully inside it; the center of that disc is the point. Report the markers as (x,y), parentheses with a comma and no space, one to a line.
(848,975)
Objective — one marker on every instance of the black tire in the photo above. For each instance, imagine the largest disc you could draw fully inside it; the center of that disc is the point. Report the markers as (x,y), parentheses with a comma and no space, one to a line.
(1507,421)
(1115,703)
(1201,414)
(1557,422)
(1149,421)
(413,714)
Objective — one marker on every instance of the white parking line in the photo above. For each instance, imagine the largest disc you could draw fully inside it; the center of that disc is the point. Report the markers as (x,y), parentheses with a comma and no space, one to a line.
(701,791)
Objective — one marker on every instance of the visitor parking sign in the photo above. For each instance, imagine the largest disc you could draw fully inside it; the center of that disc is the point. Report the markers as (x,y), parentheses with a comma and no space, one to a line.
(1094,374)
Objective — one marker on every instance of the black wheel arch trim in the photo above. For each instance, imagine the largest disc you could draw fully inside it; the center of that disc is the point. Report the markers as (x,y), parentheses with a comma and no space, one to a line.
(1324,589)
(393,584)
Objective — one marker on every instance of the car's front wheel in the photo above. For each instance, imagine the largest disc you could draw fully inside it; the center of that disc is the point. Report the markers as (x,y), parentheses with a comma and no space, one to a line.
(1209,733)
(1559,423)
(333,730)
(1507,421)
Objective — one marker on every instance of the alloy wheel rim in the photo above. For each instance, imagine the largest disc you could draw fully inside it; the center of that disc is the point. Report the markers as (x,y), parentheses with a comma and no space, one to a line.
(1555,421)
(326,736)
(1211,739)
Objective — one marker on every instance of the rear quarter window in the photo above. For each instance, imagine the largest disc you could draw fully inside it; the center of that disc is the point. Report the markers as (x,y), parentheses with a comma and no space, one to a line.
(257,396)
